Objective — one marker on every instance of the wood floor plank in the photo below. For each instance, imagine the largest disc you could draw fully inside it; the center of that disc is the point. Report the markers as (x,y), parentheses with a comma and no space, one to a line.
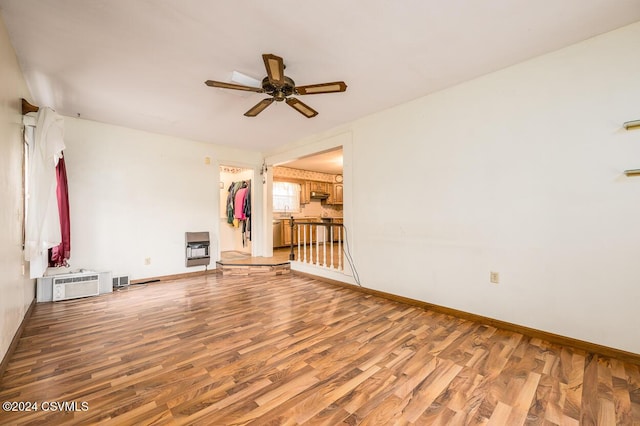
(590,400)
(430,388)
(290,350)
(633,375)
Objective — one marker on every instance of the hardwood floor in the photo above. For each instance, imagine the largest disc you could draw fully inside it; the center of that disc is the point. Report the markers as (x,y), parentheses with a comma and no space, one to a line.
(216,350)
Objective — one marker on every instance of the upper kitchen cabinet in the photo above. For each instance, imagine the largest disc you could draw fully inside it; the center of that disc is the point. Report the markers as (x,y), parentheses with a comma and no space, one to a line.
(304,193)
(318,186)
(335,194)
(336,197)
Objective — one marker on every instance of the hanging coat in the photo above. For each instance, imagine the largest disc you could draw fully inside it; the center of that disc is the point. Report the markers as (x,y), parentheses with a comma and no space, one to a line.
(42,225)
(241,195)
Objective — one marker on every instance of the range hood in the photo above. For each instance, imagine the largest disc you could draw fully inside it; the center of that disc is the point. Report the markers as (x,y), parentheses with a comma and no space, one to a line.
(318,195)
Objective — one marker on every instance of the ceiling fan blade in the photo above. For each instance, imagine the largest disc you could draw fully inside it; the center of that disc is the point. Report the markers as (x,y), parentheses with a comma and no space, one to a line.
(222,85)
(302,108)
(259,107)
(275,69)
(312,89)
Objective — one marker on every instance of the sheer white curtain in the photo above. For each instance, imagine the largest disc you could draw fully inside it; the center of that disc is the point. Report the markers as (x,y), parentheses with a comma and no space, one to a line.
(286,197)
(42,224)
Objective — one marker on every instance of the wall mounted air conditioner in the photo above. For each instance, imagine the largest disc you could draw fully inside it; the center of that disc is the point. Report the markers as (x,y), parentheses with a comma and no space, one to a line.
(73,286)
(120,281)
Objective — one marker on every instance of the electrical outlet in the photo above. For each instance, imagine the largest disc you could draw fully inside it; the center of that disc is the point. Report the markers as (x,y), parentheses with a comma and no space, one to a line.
(494,277)
(147,261)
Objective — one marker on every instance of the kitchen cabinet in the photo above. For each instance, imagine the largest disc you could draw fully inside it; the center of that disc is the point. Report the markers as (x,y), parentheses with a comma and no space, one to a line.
(304,192)
(286,233)
(277,233)
(335,195)
(313,186)
(319,186)
(311,231)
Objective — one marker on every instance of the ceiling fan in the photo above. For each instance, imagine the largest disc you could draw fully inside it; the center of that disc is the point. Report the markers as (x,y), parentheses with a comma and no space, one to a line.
(281,88)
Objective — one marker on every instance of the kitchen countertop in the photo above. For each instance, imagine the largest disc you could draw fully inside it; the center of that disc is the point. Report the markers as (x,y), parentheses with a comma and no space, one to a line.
(308,218)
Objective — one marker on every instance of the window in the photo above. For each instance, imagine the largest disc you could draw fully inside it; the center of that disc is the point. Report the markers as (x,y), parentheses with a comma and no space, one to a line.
(286,197)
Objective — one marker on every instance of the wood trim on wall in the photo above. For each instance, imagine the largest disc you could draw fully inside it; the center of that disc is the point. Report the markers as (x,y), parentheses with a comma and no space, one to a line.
(175,276)
(16,339)
(625,356)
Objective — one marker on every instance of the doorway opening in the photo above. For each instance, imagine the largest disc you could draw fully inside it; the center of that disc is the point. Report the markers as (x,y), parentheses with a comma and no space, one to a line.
(319,179)
(236,212)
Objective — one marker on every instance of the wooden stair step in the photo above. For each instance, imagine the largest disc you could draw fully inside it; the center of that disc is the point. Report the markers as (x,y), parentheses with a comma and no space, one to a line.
(265,270)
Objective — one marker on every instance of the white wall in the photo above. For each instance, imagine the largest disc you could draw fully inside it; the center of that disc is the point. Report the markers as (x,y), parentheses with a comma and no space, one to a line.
(134,194)
(16,290)
(518,172)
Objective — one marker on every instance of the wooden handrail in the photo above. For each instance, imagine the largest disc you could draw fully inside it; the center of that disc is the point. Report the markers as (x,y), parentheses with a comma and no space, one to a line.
(292,256)
(318,223)
(27,107)
(302,244)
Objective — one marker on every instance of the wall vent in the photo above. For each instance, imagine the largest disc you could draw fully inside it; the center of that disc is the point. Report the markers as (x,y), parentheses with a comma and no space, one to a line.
(121,281)
(74,286)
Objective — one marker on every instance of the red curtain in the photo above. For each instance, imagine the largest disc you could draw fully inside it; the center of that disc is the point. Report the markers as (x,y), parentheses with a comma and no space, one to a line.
(59,255)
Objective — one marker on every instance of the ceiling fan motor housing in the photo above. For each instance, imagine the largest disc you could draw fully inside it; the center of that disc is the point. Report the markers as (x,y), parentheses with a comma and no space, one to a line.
(279,92)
